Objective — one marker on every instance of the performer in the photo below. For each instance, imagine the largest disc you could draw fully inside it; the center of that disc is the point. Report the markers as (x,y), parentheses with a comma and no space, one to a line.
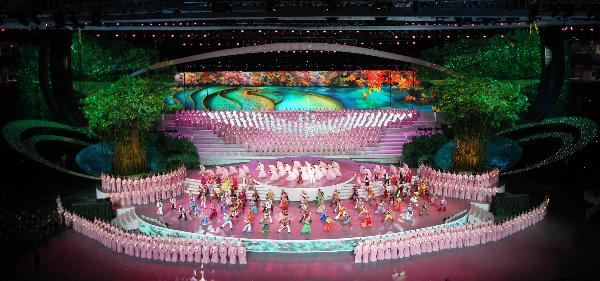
(389,216)
(306,229)
(409,213)
(253,207)
(241,253)
(284,223)
(371,198)
(362,208)
(265,225)
(442,207)
(323,217)
(247,225)
(268,204)
(202,199)
(341,211)
(284,204)
(358,252)
(320,197)
(398,205)
(380,207)
(173,202)
(203,217)
(328,225)
(182,213)
(213,213)
(267,214)
(159,207)
(346,221)
(227,221)
(366,222)
(321,207)
(335,198)
(261,171)
(424,209)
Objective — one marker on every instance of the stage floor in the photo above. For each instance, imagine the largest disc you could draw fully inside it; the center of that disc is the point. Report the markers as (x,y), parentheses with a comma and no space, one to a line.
(213,228)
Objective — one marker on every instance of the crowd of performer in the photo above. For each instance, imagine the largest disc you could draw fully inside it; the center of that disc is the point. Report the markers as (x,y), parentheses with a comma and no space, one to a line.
(221,196)
(167,249)
(298,122)
(480,187)
(436,239)
(118,184)
(150,189)
(301,172)
(437,177)
(298,132)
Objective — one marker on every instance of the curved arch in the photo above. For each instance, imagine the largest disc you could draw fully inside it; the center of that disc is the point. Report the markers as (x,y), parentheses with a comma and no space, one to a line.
(297,46)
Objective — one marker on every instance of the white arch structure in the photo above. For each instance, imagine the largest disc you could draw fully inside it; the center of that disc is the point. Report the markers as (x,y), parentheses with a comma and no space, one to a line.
(286,47)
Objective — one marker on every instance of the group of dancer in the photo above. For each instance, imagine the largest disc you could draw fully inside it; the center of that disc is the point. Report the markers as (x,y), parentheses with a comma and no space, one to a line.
(437,177)
(146,190)
(167,249)
(480,187)
(223,202)
(302,174)
(420,241)
(298,122)
(113,184)
(298,132)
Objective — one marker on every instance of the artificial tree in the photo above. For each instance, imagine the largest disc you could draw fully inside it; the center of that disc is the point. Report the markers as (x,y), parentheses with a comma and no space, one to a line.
(121,114)
(475,108)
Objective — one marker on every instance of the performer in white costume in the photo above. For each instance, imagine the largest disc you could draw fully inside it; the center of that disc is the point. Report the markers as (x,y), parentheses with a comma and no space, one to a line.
(274,173)
(261,171)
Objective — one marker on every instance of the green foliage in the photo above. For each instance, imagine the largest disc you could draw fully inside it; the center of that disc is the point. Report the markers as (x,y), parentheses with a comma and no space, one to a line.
(479,104)
(112,111)
(176,151)
(422,150)
(516,56)
(33,104)
(105,60)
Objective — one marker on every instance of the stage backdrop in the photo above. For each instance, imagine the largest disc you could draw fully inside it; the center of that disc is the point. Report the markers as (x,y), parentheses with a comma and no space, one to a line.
(291,90)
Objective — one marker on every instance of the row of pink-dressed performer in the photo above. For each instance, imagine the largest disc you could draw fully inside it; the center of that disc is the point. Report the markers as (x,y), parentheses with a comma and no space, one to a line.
(298,132)
(147,196)
(269,143)
(163,249)
(485,180)
(301,173)
(118,184)
(426,241)
(297,121)
(145,190)
(483,194)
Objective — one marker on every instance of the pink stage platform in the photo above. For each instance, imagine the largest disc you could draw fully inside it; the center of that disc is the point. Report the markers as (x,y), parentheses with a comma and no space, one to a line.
(193,224)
